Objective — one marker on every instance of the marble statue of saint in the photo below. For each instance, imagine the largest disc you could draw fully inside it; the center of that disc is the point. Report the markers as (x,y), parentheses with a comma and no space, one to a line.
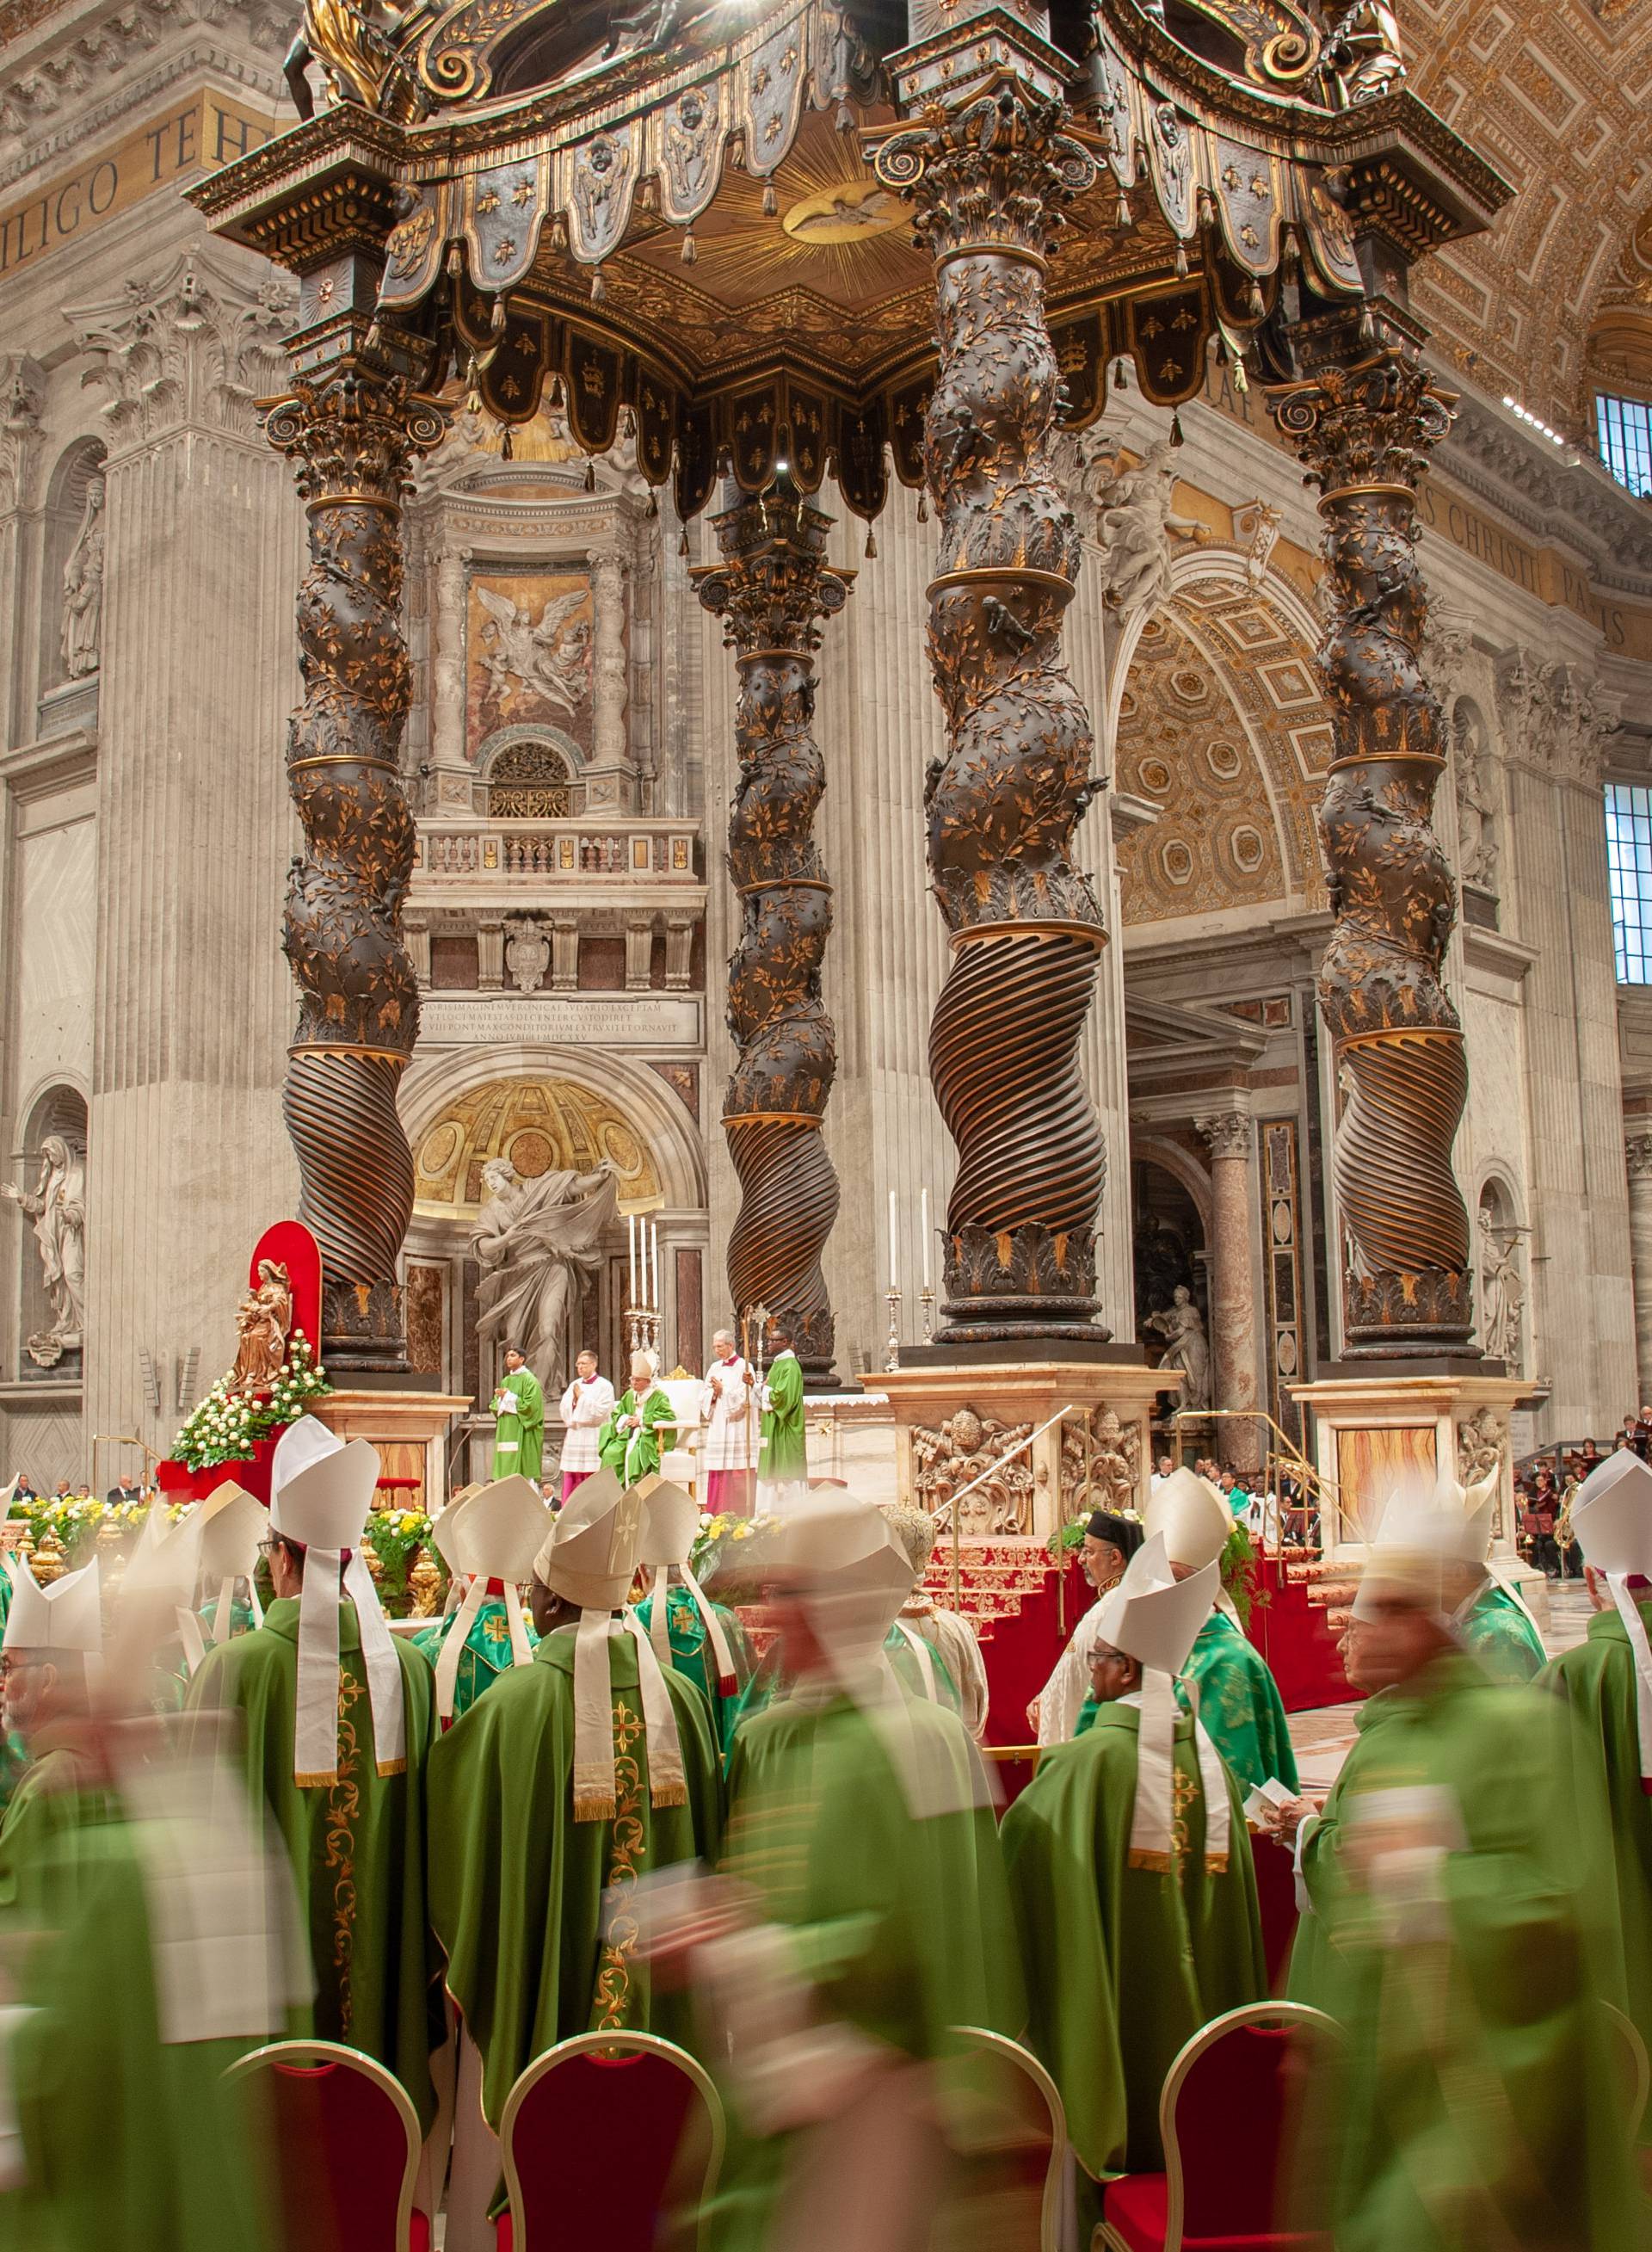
(58,1209)
(1501,1298)
(83,590)
(262,1321)
(1135,519)
(536,1241)
(1476,835)
(1186,1348)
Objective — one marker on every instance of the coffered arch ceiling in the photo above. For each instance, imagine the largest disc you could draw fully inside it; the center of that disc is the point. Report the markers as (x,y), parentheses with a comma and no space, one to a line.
(1560,99)
(1221,726)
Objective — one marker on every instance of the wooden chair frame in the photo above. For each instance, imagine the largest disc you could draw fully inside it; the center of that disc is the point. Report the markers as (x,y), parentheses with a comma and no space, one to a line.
(603,2044)
(306,2053)
(1298,2014)
(1024,2059)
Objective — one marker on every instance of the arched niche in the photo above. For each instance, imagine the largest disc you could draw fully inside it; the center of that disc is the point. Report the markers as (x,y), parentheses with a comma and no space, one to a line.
(77,478)
(528,774)
(1170,1221)
(1501,1274)
(57,1112)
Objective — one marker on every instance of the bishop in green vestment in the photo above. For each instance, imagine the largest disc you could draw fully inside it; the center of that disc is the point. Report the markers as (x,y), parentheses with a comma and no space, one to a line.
(784,1460)
(629,1443)
(1463,1900)
(1239,1706)
(518,1403)
(1495,1630)
(484,1652)
(488,1540)
(1133,1887)
(702,1640)
(337,1754)
(532,1821)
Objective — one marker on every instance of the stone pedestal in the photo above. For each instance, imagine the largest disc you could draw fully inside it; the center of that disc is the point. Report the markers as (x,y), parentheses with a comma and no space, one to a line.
(409,1429)
(1372,1432)
(953,1421)
(853,1435)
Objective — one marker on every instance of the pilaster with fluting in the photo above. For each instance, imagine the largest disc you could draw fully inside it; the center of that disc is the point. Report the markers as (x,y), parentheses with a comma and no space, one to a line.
(1637,1151)
(610,781)
(988,175)
(1363,419)
(773,588)
(1231,1138)
(453,772)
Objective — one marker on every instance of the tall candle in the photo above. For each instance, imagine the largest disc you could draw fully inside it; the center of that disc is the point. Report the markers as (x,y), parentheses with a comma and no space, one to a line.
(653,1269)
(894,1258)
(923,1232)
(630,1247)
(643,1262)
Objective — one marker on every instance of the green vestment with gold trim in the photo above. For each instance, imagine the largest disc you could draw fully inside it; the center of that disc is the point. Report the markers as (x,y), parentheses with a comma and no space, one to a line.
(691,1653)
(1239,1705)
(1499,1634)
(633,1454)
(357,1846)
(516,1884)
(486,1654)
(1124,1963)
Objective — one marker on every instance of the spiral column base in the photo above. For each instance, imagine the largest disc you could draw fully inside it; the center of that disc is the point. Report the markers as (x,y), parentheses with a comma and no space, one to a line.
(788,1201)
(357,1197)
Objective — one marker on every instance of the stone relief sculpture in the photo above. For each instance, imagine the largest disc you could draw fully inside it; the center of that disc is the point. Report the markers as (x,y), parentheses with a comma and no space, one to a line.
(1502,1295)
(1135,520)
(550,656)
(1101,1467)
(262,1321)
(1476,801)
(57,1206)
(1186,1348)
(83,591)
(1363,56)
(536,1240)
(946,1459)
(1481,1439)
(527,953)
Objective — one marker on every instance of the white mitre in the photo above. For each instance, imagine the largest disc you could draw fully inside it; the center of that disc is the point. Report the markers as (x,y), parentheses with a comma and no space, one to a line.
(65,1618)
(590,1557)
(1421,1538)
(671,1519)
(1612,1519)
(167,1560)
(1197,1524)
(494,1533)
(321,1491)
(1154,1618)
(232,1525)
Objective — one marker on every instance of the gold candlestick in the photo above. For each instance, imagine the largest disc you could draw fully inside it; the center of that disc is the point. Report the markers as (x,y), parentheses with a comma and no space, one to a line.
(891,1351)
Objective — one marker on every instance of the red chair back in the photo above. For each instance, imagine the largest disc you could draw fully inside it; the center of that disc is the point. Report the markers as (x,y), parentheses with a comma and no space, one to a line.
(1008,2133)
(344,2144)
(612,2143)
(1227,2113)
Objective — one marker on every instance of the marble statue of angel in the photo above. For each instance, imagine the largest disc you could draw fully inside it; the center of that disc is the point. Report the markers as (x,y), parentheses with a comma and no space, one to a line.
(550,658)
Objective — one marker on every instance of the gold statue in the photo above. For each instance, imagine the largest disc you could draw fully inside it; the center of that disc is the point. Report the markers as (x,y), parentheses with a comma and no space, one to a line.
(354,42)
(262,1321)
(1364,56)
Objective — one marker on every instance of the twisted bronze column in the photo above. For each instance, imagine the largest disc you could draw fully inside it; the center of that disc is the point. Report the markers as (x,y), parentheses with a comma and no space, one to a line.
(987,183)
(772,588)
(1363,424)
(351,437)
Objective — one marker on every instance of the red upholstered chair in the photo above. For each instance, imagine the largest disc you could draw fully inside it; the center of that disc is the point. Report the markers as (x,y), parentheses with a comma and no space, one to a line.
(1009,2133)
(343,2143)
(1225,2117)
(612,2143)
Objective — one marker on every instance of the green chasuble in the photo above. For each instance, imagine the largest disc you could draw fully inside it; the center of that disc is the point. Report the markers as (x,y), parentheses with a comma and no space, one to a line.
(52,1805)
(357,1846)
(1311,1964)
(633,1454)
(518,1441)
(486,1654)
(785,1455)
(516,1884)
(1479,2101)
(1496,1632)
(903,1925)
(691,1653)
(1598,1680)
(1123,1964)
(769,1684)
(1239,1705)
(128,2141)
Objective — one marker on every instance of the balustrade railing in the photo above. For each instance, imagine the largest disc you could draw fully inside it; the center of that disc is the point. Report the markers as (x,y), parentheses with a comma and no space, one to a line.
(627,852)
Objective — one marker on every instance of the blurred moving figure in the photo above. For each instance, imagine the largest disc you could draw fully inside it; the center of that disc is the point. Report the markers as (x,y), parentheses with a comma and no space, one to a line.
(1489,1613)
(1606,1681)
(337,1720)
(944,1643)
(51,1636)
(574,1776)
(703,1640)
(1460,1884)
(1131,1867)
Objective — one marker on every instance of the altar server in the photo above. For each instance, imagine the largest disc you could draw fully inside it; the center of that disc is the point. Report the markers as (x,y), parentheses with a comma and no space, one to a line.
(943,1641)
(518,1404)
(575,1773)
(1131,1868)
(631,1438)
(1109,1542)
(702,1639)
(337,1716)
(728,1435)
(587,1405)
(1465,1904)
(782,1467)
(1606,1681)
(490,1541)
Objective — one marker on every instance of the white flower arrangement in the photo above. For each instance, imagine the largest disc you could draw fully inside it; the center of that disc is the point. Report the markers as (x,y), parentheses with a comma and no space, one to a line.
(225,1426)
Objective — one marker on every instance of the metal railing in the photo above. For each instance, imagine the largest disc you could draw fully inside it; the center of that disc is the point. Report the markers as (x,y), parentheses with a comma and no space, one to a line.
(981,1478)
(1286,1456)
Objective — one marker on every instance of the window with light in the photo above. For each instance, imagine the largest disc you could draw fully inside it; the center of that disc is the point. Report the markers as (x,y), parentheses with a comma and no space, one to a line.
(1623,434)
(1629,819)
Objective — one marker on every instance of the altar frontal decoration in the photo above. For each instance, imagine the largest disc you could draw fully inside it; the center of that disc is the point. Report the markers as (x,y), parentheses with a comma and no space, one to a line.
(275,1376)
(805,240)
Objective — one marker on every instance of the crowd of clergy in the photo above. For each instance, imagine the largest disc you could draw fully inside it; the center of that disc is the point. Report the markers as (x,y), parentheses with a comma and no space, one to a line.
(581,1802)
